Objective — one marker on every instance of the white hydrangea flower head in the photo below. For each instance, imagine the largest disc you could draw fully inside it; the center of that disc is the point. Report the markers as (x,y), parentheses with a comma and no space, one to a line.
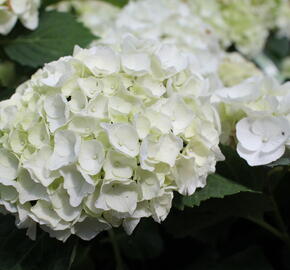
(175,19)
(12,10)
(258,95)
(104,137)
(179,24)
(175,24)
(258,110)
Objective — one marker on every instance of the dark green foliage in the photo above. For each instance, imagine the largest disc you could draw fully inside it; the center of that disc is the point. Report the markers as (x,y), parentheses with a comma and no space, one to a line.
(216,187)
(144,243)
(249,259)
(56,36)
(6,92)
(284,161)
(18,252)
(118,3)
(277,48)
(46,3)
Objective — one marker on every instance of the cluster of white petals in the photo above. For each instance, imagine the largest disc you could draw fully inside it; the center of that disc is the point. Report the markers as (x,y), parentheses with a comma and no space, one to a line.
(258,109)
(245,23)
(176,24)
(196,25)
(24,10)
(104,137)
(262,139)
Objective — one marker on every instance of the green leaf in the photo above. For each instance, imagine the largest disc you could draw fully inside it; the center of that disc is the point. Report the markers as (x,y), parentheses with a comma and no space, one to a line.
(213,211)
(118,3)
(283,161)
(216,187)
(237,169)
(277,47)
(46,3)
(6,93)
(56,36)
(7,73)
(83,260)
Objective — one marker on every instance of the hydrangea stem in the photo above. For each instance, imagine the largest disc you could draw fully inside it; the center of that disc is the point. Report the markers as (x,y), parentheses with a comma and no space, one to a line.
(73,254)
(268,66)
(267,227)
(276,211)
(282,235)
(280,221)
(118,257)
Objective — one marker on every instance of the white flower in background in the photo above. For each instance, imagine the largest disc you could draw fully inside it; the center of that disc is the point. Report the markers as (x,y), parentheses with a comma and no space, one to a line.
(261,140)
(12,10)
(283,18)
(257,110)
(96,15)
(195,26)
(243,23)
(98,139)
(169,21)
(178,24)
(185,24)
(175,24)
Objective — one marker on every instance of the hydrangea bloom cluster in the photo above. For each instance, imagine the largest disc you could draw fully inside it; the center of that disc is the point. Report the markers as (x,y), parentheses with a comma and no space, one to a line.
(175,24)
(257,110)
(103,138)
(194,25)
(246,23)
(12,10)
